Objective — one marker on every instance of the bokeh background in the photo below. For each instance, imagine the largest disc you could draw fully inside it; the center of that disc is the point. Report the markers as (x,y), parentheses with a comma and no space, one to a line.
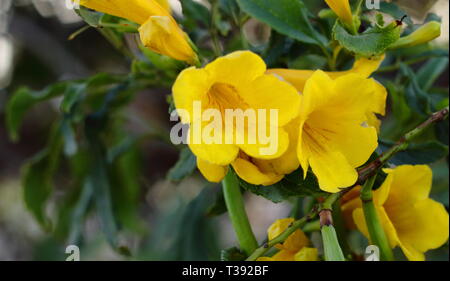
(35,51)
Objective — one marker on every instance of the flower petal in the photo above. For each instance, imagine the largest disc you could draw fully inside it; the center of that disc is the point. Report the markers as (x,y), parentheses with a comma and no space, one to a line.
(253,174)
(307,254)
(424,226)
(269,92)
(191,85)
(238,68)
(213,173)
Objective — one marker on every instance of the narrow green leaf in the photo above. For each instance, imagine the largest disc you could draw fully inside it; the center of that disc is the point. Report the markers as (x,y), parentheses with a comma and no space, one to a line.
(431,71)
(331,246)
(23,99)
(184,167)
(37,179)
(416,97)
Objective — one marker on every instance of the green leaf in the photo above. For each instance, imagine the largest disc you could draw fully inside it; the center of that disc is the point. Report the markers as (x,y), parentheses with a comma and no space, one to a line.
(285,16)
(416,97)
(372,42)
(431,71)
(23,99)
(184,167)
(98,181)
(331,248)
(37,179)
(195,10)
(219,206)
(90,17)
(232,254)
(415,154)
(292,185)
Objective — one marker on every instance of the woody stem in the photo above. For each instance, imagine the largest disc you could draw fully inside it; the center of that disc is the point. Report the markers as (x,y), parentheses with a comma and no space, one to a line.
(236,211)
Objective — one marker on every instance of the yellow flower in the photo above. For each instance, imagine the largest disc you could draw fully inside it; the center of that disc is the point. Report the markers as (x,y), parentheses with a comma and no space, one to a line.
(159,31)
(334,136)
(410,219)
(294,248)
(362,66)
(234,82)
(342,9)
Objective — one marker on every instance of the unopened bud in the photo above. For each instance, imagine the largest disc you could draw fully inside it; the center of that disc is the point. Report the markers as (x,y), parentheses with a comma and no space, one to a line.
(423,34)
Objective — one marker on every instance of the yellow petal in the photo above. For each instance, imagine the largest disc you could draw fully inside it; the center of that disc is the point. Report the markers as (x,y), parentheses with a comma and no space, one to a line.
(411,253)
(342,9)
(276,145)
(162,35)
(261,92)
(218,154)
(422,227)
(191,86)
(253,174)
(294,242)
(284,255)
(237,69)
(298,78)
(137,11)
(213,173)
(288,162)
(409,185)
(307,254)
(332,170)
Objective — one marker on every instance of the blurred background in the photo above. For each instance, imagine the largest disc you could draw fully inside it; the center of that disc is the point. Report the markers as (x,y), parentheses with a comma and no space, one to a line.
(35,51)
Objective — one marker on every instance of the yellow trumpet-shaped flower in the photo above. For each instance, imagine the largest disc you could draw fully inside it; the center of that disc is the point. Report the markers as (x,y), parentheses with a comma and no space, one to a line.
(159,31)
(362,66)
(295,247)
(410,219)
(335,137)
(342,9)
(236,82)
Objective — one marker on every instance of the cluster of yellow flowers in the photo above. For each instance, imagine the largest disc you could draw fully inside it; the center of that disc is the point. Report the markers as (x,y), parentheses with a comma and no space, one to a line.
(327,122)
(410,219)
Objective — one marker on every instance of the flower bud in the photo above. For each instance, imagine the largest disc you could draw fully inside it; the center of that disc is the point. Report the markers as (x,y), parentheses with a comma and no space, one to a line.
(423,34)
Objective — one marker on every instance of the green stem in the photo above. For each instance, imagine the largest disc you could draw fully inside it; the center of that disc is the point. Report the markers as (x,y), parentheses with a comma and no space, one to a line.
(236,211)
(376,231)
(279,239)
(311,226)
(332,249)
